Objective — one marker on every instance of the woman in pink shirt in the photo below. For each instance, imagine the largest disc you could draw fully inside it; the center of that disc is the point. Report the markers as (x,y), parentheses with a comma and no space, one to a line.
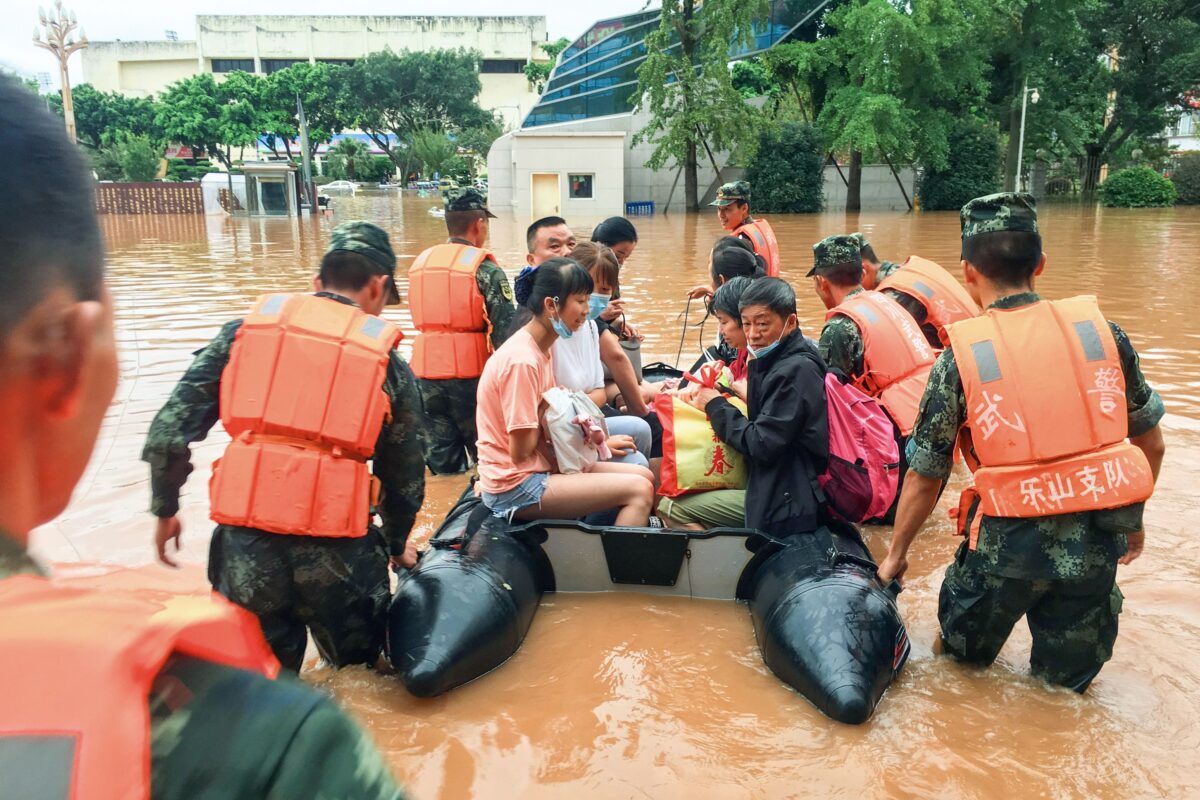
(517,476)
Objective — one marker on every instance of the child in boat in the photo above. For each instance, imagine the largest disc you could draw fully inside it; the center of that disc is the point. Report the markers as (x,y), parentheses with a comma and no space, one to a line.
(719,508)
(517,476)
(785,436)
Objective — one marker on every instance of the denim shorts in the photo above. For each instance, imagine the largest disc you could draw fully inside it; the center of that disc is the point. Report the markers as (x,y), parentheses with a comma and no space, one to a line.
(528,493)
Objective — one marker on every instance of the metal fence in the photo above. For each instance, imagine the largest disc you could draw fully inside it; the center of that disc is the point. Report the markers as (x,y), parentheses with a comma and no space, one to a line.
(149,198)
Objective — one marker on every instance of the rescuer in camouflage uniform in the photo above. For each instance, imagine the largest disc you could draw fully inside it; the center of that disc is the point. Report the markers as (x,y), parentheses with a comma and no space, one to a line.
(874,270)
(337,587)
(450,404)
(214,731)
(1057,570)
(841,342)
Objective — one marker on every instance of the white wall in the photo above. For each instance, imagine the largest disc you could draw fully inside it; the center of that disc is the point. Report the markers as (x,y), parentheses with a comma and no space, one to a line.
(879,189)
(515,157)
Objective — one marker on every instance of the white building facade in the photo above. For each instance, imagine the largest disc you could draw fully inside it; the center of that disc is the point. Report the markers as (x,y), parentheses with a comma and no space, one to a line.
(264,44)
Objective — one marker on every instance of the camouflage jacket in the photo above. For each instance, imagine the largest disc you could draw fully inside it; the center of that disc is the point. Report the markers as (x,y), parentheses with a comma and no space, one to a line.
(221,732)
(841,343)
(193,409)
(1063,546)
(497,297)
(886,268)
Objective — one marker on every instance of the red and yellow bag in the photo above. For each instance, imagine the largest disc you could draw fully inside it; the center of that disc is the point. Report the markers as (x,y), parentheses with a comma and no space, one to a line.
(694,459)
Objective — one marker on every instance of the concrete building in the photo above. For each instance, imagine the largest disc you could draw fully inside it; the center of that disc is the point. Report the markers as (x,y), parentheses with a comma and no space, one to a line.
(1185,134)
(264,44)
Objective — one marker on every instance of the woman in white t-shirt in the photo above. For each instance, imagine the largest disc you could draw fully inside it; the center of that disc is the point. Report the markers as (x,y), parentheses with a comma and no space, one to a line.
(576,360)
(517,478)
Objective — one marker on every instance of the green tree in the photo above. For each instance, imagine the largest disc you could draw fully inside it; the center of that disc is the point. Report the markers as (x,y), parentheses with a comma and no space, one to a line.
(1186,177)
(431,151)
(103,118)
(318,87)
(892,80)
(241,117)
(1156,44)
(188,113)
(347,159)
(478,141)
(538,72)
(685,83)
(752,79)
(139,158)
(391,96)
(787,170)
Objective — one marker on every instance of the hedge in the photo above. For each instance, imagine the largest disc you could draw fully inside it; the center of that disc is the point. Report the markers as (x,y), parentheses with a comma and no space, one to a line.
(972,170)
(1186,178)
(787,172)
(1137,187)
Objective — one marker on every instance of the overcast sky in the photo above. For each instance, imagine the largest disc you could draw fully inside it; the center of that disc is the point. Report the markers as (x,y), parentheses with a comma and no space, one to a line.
(147,19)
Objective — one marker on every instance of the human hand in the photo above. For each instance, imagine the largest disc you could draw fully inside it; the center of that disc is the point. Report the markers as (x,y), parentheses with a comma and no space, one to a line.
(701,397)
(407,559)
(700,291)
(892,568)
(621,445)
(739,389)
(614,309)
(1136,543)
(650,391)
(167,529)
(631,332)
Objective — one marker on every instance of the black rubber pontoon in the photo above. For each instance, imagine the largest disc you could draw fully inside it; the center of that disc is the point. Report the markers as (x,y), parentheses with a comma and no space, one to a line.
(825,624)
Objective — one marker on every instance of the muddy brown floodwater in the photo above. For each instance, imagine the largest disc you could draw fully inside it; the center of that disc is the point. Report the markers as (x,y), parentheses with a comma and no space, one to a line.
(620,695)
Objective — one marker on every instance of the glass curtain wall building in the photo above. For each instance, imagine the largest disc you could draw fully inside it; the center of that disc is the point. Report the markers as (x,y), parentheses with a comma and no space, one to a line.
(596,75)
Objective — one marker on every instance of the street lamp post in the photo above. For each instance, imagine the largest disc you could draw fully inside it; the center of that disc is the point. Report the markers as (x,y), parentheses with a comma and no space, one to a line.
(55,36)
(1032,96)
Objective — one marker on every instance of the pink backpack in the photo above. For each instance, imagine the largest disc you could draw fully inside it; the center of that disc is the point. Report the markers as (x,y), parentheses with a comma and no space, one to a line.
(864,459)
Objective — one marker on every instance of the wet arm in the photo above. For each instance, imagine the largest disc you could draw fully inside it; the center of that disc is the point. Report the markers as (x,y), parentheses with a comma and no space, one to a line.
(622,372)
(187,417)
(399,462)
(1145,407)
(930,451)
(497,300)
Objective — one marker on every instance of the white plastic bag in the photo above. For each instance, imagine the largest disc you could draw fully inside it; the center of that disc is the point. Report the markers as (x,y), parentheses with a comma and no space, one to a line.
(571,450)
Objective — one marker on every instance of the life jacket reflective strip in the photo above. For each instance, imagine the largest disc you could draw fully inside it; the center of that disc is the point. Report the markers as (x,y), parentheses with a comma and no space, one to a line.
(302,397)
(945,300)
(762,239)
(896,356)
(1047,420)
(79,665)
(448,310)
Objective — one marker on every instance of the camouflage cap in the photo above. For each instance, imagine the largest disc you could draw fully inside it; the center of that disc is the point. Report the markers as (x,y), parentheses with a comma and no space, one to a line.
(862,240)
(468,199)
(369,240)
(834,250)
(1006,211)
(731,192)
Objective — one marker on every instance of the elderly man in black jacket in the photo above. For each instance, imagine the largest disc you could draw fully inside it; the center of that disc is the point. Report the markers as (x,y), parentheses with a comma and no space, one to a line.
(786,437)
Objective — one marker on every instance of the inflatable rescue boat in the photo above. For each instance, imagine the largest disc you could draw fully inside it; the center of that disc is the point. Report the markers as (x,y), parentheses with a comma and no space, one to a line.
(824,622)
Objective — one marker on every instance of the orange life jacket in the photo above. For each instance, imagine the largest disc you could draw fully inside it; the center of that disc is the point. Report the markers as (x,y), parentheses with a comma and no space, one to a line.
(302,398)
(762,239)
(448,310)
(1047,422)
(945,300)
(79,664)
(896,355)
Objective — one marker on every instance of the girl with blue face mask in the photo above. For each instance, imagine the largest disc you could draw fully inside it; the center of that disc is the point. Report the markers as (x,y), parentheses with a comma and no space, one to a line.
(517,474)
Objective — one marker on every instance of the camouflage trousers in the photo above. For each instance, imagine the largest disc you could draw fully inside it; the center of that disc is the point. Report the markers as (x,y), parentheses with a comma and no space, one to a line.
(1073,622)
(450,424)
(336,588)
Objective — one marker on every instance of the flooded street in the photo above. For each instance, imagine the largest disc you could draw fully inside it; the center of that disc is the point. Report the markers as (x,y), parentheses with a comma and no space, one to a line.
(621,696)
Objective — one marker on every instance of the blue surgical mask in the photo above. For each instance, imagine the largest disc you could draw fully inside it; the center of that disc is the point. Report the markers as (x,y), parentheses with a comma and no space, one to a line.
(762,351)
(596,305)
(562,330)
